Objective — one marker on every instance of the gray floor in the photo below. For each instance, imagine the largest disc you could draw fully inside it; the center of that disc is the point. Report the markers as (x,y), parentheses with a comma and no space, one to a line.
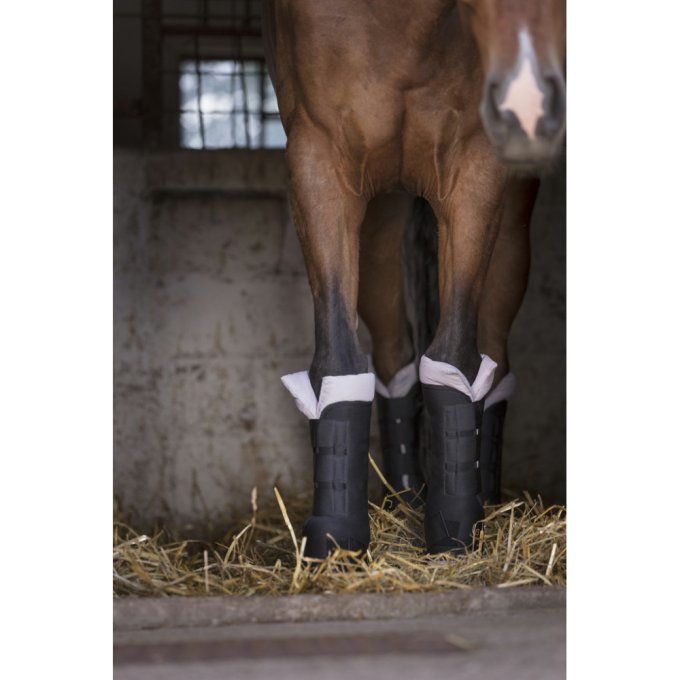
(520,643)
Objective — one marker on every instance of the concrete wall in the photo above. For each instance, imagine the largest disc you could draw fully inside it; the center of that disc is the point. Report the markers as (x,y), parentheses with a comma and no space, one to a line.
(212,307)
(535,436)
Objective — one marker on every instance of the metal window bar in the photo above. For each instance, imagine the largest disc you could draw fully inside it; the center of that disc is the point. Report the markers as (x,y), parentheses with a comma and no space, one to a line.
(199,91)
(244,87)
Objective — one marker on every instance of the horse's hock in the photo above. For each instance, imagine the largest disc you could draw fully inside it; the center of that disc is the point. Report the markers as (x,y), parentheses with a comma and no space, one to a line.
(212,306)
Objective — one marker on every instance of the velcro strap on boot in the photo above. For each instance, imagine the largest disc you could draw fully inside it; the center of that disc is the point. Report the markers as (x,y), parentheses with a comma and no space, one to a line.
(399,447)
(461,461)
(453,505)
(398,418)
(329,441)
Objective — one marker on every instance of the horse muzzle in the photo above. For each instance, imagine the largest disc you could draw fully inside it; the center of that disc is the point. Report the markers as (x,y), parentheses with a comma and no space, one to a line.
(524,117)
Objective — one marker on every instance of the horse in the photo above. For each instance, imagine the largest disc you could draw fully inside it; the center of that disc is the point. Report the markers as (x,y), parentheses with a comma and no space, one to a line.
(459,105)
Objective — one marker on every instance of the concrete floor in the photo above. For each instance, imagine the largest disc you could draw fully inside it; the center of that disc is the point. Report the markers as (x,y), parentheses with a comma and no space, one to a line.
(520,642)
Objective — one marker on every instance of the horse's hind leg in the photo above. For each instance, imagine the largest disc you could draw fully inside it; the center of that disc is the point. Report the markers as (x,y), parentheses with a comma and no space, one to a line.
(337,392)
(504,289)
(382,308)
(381,283)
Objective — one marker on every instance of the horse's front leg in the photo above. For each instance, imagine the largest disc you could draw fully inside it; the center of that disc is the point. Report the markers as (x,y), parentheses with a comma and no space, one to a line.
(337,392)
(455,377)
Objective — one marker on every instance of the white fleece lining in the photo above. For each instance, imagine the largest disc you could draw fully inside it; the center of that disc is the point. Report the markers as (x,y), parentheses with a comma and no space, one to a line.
(400,385)
(441,373)
(503,391)
(334,388)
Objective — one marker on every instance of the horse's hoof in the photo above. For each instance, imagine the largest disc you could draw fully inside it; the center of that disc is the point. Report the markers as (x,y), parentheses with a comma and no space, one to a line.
(454,502)
(454,531)
(398,418)
(340,444)
(326,534)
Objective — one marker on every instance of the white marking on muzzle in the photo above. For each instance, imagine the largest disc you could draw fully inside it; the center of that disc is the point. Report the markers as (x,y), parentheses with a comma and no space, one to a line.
(524,96)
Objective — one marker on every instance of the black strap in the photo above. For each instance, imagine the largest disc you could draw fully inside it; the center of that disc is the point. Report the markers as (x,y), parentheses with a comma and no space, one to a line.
(461,458)
(329,441)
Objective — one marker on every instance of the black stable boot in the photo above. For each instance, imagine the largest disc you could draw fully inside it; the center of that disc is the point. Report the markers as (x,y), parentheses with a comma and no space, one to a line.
(340,444)
(454,502)
(398,418)
(491,452)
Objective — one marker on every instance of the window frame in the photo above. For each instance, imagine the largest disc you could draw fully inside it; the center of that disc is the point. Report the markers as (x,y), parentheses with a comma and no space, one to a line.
(181,58)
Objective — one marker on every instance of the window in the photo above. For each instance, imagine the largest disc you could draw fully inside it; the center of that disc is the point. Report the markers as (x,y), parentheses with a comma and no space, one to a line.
(228,104)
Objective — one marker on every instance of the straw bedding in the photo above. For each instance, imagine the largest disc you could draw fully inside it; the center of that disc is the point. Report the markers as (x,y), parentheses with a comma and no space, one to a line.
(520,542)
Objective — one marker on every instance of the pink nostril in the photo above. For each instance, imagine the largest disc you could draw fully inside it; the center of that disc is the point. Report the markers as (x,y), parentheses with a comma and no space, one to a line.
(523,107)
(498,123)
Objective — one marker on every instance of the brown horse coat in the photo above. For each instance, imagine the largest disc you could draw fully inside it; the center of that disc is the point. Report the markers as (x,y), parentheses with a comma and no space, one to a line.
(378,96)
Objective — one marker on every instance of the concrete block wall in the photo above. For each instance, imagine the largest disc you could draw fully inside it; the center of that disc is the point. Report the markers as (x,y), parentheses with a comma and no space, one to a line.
(211,307)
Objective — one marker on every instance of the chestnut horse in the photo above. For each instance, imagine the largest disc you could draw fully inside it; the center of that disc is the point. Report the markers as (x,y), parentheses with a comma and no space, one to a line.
(384,101)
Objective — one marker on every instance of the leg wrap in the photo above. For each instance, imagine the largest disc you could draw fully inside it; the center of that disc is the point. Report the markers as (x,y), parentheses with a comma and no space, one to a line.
(398,419)
(491,451)
(340,444)
(454,502)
